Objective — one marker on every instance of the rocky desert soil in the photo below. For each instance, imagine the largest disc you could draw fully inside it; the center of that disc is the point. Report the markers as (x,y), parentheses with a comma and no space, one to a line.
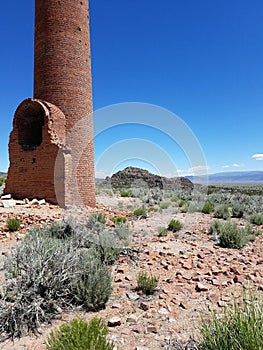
(195,275)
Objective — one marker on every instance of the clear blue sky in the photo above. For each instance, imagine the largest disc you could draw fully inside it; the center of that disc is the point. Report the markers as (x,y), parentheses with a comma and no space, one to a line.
(201,60)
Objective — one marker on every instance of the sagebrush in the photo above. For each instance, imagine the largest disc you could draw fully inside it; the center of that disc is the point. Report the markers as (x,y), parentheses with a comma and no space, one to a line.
(80,335)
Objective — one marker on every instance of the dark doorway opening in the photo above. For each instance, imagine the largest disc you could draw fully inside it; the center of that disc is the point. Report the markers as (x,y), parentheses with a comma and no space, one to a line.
(30,123)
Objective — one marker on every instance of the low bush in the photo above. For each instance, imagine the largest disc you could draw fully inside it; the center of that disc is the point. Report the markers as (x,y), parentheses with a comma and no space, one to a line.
(122,231)
(162,231)
(175,225)
(125,194)
(107,247)
(146,283)
(80,335)
(207,208)
(100,217)
(230,235)
(96,222)
(239,327)
(181,203)
(2,180)
(165,205)
(154,209)
(140,212)
(237,210)
(45,275)
(91,286)
(117,220)
(13,224)
(257,219)
(221,211)
(174,199)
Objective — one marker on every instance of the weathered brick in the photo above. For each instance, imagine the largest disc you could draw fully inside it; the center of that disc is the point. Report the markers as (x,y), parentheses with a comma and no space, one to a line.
(57,125)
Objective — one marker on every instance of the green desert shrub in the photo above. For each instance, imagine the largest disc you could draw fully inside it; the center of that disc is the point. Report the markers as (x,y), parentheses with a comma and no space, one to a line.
(237,210)
(174,199)
(13,224)
(221,211)
(207,208)
(162,231)
(100,217)
(91,285)
(125,194)
(146,283)
(61,229)
(96,222)
(140,212)
(2,180)
(122,232)
(181,203)
(107,247)
(257,219)
(152,209)
(80,335)
(175,225)
(119,220)
(230,235)
(192,207)
(238,327)
(165,205)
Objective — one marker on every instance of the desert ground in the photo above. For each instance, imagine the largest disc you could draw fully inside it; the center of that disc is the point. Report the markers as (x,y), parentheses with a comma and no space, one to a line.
(195,274)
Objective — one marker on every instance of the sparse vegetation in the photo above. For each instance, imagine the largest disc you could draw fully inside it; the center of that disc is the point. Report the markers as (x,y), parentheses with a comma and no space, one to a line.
(100,217)
(239,327)
(2,180)
(52,271)
(13,224)
(222,212)
(165,205)
(230,235)
(125,193)
(162,231)
(257,219)
(117,220)
(207,208)
(146,283)
(175,225)
(107,247)
(237,210)
(80,335)
(140,212)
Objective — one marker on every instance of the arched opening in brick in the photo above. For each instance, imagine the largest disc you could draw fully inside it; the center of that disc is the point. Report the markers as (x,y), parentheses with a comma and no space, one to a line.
(29,124)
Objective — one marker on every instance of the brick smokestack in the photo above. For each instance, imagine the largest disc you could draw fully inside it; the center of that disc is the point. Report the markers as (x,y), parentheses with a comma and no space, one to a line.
(62,79)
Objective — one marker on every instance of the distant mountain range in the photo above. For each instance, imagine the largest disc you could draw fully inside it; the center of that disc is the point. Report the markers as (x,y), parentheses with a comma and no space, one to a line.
(233,177)
(2,174)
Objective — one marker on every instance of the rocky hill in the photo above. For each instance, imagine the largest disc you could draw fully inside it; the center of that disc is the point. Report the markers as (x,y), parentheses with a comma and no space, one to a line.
(136,177)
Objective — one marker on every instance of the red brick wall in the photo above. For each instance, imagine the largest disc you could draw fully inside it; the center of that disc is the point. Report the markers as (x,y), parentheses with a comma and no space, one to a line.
(31,171)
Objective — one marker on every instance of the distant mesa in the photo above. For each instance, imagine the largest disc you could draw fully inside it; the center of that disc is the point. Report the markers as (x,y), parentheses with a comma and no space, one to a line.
(136,177)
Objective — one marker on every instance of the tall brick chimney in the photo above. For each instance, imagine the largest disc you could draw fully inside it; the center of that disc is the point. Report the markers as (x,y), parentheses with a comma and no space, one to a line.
(51,145)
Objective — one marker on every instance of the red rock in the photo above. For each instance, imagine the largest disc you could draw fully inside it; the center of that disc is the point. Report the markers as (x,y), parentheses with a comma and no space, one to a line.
(151,329)
(239,279)
(144,306)
(138,329)
(201,287)
(114,321)
(184,304)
